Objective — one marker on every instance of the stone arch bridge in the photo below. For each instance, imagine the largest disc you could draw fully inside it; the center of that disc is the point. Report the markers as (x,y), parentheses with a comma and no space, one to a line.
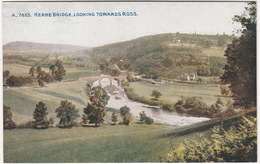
(99,78)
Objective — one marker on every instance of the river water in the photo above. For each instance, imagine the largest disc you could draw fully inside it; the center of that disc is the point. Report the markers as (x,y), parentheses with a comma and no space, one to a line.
(118,99)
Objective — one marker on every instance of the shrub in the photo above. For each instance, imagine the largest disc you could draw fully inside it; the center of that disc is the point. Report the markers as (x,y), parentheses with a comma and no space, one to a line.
(156,94)
(19,81)
(237,144)
(192,105)
(29,124)
(168,107)
(114,118)
(196,107)
(126,115)
(225,90)
(127,119)
(145,119)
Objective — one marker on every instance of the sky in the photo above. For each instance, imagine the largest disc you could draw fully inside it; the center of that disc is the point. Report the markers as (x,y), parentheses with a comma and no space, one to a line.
(151,18)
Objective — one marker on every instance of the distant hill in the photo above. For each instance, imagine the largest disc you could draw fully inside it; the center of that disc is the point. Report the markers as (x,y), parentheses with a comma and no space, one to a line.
(166,55)
(47,47)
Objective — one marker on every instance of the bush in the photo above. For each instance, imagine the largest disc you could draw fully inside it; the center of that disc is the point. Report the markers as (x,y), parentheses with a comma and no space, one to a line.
(19,81)
(127,119)
(196,107)
(192,105)
(156,94)
(126,115)
(168,107)
(114,118)
(145,119)
(237,144)
(29,124)
(67,124)
(225,90)
(9,124)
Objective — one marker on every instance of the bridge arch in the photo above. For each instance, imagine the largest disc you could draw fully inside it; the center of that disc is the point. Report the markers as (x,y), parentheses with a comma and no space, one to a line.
(99,78)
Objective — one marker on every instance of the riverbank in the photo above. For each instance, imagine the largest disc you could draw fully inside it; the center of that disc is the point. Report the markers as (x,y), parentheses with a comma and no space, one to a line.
(118,99)
(195,99)
(134,97)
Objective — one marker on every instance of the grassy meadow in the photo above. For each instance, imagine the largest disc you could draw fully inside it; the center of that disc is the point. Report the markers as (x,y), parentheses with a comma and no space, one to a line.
(211,51)
(23,100)
(120,143)
(71,72)
(171,93)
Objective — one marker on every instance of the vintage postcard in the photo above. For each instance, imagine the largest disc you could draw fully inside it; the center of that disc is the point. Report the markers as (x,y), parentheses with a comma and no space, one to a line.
(116,82)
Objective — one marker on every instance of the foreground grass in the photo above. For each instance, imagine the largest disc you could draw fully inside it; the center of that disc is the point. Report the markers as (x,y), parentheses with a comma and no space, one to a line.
(134,143)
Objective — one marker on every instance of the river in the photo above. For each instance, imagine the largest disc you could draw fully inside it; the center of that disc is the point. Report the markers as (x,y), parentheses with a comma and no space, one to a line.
(118,99)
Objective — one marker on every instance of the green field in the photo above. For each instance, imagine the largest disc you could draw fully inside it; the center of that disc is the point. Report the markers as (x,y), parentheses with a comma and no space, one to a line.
(134,143)
(71,72)
(120,143)
(171,93)
(211,51)
(23,100)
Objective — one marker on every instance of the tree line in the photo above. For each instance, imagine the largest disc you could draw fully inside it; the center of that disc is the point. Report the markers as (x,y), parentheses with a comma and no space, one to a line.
(67,113)
(57,72)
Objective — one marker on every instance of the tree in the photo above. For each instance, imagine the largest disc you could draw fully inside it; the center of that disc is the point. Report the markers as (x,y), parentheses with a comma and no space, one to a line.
(38,69)
(95,110)
(59,75)
(156,94)
(59,64)
(53,69)
(67,114)
(100,92)
(218,108)
(39,116)
(240,70)
(60,72)
(145,119)
(41,82)
(6,74)
(8,118)
(46,77)
(126,115)
(114,118)
(32,71)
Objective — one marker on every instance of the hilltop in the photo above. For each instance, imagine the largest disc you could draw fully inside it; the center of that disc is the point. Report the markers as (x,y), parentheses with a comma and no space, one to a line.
(46,47)
(166,55)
